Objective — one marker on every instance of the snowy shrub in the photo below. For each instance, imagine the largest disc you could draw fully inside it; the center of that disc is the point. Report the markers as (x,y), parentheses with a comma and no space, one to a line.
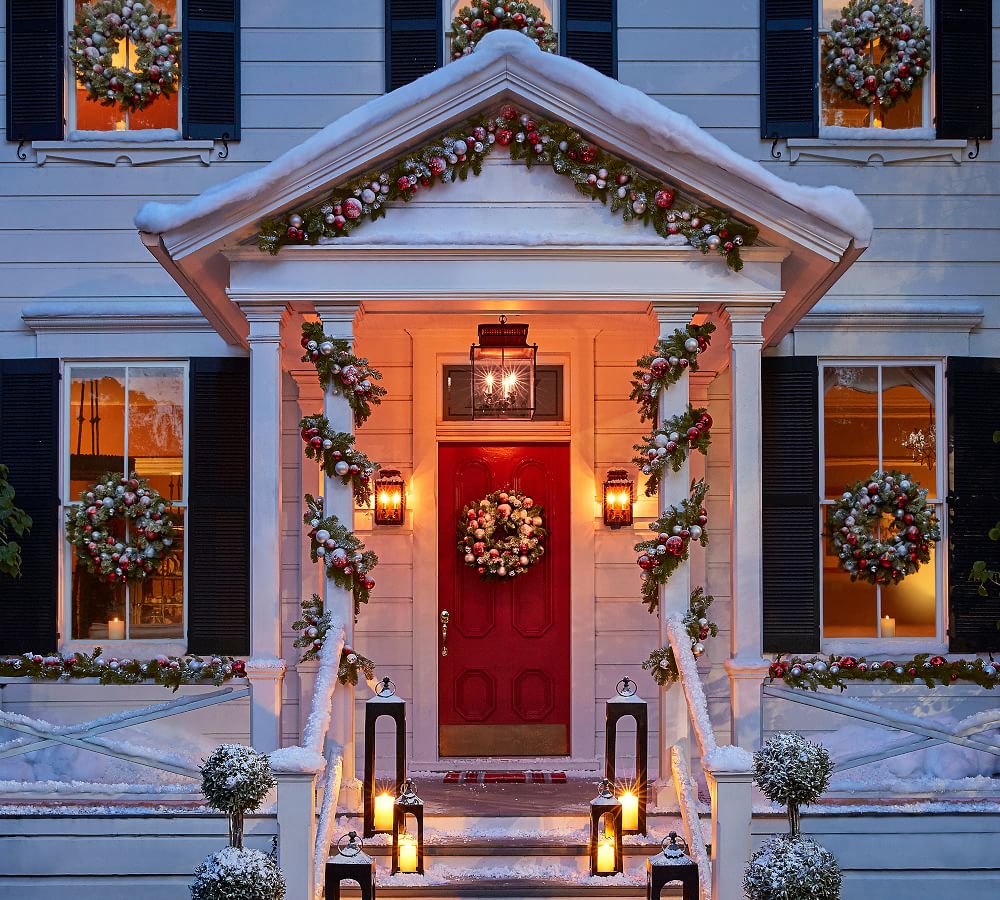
(238,874)
(792,771)
(235,780)
(792,868)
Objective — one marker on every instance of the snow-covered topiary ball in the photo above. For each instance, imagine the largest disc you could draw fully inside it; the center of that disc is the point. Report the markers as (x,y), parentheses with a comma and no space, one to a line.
(236,778)
(792,770)
(787,868)
(233,874)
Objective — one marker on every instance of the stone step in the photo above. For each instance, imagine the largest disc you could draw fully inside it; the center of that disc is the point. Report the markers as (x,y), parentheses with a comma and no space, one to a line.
(514,887)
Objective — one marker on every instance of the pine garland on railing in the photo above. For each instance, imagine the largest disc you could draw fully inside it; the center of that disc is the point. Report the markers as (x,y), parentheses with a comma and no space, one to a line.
(337,456)
(661,663)
(671,443)
(342,371)
(311,633)
(658,370)
(344,556)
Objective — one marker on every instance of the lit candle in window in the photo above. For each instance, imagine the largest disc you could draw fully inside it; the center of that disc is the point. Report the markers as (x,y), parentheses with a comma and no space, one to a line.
(606,857)
(384,804)
(630,811)
(116,630)
(407,854)
(888,626)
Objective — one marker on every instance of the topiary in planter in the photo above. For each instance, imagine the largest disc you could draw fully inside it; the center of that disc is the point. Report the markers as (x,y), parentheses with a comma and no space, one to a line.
(792,868)
(238,874)
(235,780)
(792,771)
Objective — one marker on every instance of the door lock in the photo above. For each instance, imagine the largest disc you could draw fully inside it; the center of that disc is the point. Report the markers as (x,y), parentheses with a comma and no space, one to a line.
(445,616)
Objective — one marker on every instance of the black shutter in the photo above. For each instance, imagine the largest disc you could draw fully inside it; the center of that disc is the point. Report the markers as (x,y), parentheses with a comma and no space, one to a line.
(218,519)
(29,447)
(789,68)
(414,35)
(963,68)
(790,534)
(210,62)
(589,34)
(35,76)
(973,500)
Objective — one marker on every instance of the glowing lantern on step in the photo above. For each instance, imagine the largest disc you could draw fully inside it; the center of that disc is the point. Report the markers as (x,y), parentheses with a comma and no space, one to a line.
(384,703)
(618,499)
(626,703)
(671,864)
(503,372)
(605,846)
(390,498)
(408,848)
(350,864)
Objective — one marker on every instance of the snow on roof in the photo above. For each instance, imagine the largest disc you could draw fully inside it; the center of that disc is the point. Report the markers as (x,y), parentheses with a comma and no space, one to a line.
(664,127)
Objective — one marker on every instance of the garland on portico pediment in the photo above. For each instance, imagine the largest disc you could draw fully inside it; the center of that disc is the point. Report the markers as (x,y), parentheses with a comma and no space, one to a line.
(595,172)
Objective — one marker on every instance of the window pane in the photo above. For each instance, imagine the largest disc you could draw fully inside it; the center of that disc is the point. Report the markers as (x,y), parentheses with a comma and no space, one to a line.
(912,602)
(850,419)
(96,602)
(909,429)
(156,427)
(157,601)
(96,426)
(849,607)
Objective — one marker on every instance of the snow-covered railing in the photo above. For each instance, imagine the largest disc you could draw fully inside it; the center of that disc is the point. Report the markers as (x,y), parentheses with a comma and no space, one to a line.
(687,800)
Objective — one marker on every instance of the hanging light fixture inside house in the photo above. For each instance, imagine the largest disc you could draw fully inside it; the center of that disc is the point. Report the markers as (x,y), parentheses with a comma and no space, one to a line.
(390,498)
(619,495)
(503,372)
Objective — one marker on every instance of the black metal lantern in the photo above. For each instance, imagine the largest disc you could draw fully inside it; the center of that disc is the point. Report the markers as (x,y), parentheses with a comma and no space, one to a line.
(619,495)
(671,864)
(634,799)
(605,846)
(503,372)
(350,864)
(379,811)
(407,848)
(390,498)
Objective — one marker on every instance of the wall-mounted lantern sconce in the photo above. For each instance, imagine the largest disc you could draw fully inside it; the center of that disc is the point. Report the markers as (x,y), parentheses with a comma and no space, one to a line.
(619,495)
(390,498)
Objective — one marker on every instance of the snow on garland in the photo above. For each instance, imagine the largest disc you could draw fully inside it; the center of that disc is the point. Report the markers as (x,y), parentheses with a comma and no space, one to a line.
(142,515)
(311,632)
(837,671)
(99,30)
(235,780)
(343,554)
(473,22)
(170,671)
(852,65)
(661,663)
(893,506)
(658,370)
(595,172)
(676,528)
(342,371)
(671,442)
(787,868)
(238,873)
(337,456)
(501,535)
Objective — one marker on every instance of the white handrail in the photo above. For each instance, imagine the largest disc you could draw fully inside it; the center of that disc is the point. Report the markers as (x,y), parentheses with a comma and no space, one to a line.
(687,799)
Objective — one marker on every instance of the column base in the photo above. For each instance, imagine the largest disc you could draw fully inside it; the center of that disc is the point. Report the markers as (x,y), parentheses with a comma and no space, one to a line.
(265,677)
(350,799)
(745,679)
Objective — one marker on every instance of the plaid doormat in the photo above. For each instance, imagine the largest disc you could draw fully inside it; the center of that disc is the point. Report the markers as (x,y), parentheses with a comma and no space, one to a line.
(456,777)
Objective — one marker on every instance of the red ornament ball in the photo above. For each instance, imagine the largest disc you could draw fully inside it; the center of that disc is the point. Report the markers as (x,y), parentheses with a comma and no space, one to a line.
(664,198)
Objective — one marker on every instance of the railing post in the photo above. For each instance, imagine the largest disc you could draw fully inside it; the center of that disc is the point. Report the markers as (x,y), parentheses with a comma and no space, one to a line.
(732,815)
(297,832)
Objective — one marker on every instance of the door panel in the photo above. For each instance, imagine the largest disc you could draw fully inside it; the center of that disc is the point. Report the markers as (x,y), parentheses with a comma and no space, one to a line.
(504,687)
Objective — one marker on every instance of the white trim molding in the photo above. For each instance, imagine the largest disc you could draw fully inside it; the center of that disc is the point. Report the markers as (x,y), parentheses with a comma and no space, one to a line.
(125,153)
(874,151)
(102,316)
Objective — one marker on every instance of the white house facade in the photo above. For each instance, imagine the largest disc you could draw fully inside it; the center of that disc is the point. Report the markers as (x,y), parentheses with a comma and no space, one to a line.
(717,307)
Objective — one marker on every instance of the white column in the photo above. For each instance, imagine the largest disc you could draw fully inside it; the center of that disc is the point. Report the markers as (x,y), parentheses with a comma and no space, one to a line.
(675,594)
(746,341)
(296,814)
(266,669)
(338,323)
(732,842)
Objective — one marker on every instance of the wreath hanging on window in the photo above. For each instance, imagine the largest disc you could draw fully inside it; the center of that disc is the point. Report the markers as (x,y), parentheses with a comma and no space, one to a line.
(877,52)
(100,27)
(501,535)
(473,22)
(882,528)
(149,531)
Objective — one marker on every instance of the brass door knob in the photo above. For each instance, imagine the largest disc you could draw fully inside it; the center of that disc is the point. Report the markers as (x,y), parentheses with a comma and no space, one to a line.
(445,617)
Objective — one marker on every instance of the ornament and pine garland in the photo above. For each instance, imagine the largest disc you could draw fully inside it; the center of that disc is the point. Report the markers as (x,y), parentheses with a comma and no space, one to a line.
(876,53)
(670,443)
(337,456)
(595,172)
(471,23)
(170,671)
(344,556)
(658,370)
(14,522)
(100,29)
(501,535)
(661,663)
(676,528)
(838,671)
(338,368)
(141,514)
(882,528)
(311,632)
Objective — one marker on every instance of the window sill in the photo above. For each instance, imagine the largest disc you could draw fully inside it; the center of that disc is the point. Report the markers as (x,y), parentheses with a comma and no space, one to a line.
(887,647)
(876,150)
(135,150)
(134,649)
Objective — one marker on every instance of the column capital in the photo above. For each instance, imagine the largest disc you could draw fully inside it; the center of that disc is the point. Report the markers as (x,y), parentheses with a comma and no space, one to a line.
(672,315)
(746,323)
(266,319)
(338,317)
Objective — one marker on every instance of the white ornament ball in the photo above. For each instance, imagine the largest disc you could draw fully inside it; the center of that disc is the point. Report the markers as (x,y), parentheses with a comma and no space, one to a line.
(326,348)
(661,440)
(460,148)
(698,649)
(342,468)
(322,536)
(691,345)
(695,535)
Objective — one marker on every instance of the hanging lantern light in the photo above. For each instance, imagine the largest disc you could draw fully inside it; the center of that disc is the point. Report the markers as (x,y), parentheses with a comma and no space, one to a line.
(408,848)
(503,372)
(605,845)
(390,498)
(619,495)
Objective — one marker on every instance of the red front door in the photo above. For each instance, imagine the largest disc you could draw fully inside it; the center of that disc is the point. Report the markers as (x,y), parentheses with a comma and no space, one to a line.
(504,685)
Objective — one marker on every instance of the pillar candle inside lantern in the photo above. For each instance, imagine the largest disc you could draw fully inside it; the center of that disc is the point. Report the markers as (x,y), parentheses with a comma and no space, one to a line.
(384,805)
(630,811)
(407,855)
(606,857)
(888,627)
(116,630)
